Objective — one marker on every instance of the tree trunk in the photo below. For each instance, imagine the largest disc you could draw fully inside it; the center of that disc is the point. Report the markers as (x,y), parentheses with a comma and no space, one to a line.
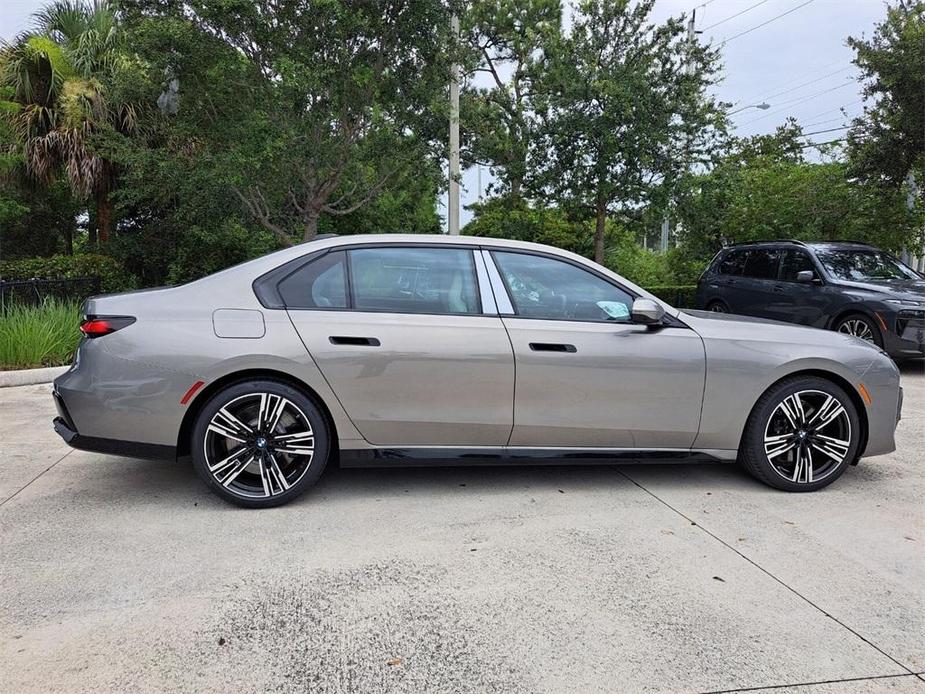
(103,216)
(516,186)
(69,239)
(311,225)
(599,226)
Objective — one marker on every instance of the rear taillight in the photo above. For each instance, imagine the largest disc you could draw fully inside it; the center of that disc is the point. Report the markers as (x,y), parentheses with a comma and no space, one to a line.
(97,326)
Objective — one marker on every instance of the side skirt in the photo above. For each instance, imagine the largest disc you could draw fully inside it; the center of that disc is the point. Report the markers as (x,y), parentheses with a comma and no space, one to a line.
(502,455)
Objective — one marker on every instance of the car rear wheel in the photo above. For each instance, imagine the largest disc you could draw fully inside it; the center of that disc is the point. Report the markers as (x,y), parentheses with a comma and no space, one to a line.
(859,325)
(260,443)
(802,435)
(717,307)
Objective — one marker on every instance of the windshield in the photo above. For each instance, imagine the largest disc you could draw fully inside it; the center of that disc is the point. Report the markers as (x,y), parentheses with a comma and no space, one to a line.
(861,265)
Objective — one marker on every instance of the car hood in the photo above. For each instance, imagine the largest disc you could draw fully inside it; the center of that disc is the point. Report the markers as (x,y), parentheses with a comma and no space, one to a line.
(730,326)
(910,290)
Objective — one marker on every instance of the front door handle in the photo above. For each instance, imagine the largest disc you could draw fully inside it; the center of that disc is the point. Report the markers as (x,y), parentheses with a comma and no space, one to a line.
(552,347)
(779,288)
(350,340)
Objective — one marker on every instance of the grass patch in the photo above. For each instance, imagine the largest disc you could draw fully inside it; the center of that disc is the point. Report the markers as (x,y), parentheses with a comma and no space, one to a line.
(36,336)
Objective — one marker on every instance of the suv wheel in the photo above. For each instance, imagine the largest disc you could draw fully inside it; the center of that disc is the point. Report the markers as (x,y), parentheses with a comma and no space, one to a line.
(260,443)
(802,435)
(861,326)
(717,307)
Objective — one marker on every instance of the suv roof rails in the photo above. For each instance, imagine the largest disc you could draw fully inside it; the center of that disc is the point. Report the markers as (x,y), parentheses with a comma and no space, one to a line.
(755,243)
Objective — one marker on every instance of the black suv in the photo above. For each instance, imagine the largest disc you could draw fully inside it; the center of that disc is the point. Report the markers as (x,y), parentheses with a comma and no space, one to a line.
(849,287)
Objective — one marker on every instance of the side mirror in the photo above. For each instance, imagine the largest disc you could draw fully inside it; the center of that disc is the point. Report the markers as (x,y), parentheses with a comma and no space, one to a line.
(806,276)
(647,312)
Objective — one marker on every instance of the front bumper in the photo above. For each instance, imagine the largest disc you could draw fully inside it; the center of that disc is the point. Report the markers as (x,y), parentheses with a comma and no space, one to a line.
(65,428)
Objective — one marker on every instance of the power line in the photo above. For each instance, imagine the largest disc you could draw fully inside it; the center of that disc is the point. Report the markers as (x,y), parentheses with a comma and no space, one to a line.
(829,120)
(737,14)
(838,108)
(772,19)
(827,130)
(804,84)
(796,102)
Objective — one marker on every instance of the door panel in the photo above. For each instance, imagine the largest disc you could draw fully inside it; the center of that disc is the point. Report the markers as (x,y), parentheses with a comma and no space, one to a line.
(430,380)
(797,302)
(621,385)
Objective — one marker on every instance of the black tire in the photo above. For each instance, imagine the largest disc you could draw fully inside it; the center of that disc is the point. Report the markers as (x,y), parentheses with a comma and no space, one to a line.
(765,463)
(271,462)
(717,306)
(854,323)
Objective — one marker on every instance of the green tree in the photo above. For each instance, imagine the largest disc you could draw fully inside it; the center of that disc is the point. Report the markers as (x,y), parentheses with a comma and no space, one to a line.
(308,109)
(508,40)
(887,143)
(59,74)
(626,110)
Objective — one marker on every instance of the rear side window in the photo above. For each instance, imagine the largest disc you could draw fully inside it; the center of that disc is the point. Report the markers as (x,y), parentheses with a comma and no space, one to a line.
(414,280)
(320,284)
(762,263)
(733,263)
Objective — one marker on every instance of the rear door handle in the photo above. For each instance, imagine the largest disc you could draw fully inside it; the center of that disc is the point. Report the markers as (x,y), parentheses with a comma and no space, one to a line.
(552,347)
(351,340)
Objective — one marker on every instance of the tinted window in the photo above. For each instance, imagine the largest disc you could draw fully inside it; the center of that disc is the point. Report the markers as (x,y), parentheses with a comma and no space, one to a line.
(733,263)
(542,287)
(792,262)
(762,263)
(860,265)
(414,280)
(320,284)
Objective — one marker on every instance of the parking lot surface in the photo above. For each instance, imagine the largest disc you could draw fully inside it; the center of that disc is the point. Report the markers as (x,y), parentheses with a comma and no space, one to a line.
(126,575)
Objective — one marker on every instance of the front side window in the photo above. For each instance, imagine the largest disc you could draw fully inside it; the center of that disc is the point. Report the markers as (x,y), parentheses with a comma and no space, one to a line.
(733,263)
(793,262)
(320,284)
(860,265)
(542,287)
(414,280)
(762,264)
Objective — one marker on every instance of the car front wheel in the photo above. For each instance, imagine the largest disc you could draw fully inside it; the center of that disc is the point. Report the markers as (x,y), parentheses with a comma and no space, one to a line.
(260,443)
(802,435)
(860,326)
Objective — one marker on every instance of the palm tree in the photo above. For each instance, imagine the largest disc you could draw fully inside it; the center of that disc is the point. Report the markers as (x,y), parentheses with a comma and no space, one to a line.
(59,74)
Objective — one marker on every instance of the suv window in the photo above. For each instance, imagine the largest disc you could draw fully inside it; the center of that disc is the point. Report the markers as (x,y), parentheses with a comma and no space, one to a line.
(794,261)
(542,287)
(762,263)
(414,280)
(320,284)
(733,263)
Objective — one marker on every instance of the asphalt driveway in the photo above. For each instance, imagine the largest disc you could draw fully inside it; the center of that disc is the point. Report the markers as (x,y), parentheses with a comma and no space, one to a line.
(125,575)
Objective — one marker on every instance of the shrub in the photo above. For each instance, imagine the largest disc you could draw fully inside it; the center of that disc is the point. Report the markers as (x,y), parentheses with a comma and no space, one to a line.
(679,296)
(34,336)
(113,277)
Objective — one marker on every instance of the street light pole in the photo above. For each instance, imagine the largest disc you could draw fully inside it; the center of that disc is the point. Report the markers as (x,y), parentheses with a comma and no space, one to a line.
(452,216)
(763,106)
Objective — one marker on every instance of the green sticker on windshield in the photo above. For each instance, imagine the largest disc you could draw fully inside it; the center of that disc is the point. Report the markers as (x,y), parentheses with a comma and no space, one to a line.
(614,309)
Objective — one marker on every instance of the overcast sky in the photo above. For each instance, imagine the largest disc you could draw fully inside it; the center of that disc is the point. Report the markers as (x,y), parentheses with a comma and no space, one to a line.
(797,63)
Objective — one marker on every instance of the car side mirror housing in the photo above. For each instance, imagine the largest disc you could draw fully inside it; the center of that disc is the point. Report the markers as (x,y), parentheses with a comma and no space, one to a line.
(647,312)
(806,276)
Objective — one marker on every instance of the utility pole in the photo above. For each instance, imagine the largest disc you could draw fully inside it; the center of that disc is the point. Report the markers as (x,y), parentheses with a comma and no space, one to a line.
(452,216)
(688,68)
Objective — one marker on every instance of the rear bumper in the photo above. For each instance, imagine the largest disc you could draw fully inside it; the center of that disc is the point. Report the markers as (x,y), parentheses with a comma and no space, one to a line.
(65,428)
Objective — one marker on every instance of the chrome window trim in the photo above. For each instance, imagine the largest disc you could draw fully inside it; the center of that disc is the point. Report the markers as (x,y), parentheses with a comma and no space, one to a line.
(489,307)
(502,299)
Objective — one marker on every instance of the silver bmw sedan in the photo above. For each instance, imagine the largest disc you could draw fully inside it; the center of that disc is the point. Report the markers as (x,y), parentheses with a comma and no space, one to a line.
(405,350)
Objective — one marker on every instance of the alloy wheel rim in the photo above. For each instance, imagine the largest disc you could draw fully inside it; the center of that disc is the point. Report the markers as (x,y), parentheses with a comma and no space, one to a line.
(857,328)
(808,436)
(259,445)
(717,308)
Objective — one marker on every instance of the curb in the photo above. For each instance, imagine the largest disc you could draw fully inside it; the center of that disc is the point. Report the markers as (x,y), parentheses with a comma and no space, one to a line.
(28,377)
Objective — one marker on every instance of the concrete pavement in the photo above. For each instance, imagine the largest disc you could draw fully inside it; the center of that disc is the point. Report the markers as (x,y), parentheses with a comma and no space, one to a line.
(119,574)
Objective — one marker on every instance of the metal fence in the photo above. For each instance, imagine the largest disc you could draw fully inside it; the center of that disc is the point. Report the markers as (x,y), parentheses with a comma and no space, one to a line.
(35,291)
